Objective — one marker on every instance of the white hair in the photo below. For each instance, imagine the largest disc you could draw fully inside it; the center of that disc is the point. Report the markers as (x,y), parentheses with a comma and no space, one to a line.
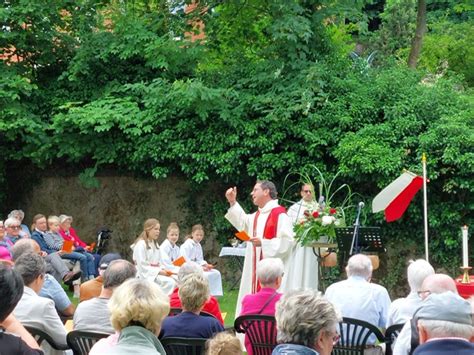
(16,213)
(188,268)
(269,270)
(10,220)
(417,272)
(359,265)
(446,329)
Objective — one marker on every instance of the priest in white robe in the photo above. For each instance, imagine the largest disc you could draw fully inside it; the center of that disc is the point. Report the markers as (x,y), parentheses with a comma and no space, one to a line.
(308,277)
(277,243)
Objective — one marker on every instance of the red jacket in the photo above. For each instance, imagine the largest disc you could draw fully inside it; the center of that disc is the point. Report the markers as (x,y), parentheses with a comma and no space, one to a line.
(72,236)
(211,306)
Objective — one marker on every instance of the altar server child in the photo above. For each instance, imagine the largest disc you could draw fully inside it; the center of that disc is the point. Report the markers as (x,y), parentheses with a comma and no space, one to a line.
(147,257)
(191,250)
(168,249)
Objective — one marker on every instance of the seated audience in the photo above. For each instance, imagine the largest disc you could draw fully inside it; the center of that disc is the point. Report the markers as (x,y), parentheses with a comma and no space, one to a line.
(223,343)
(137,309)
(269,274)
(147,257)
(211,305)
(306,324)
(14,338)
(445,325)
(408,337)
(34,310)
(54,244)
(20,215)
(13,228)
(93,288)
(93,315)
(191,250)
(68,233)
(368,301)
(402,309)
(193,293)
(51,288)
(39,228)
(5,245)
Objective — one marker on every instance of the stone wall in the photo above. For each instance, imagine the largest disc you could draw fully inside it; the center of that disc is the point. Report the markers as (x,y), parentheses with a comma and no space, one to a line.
(122,203)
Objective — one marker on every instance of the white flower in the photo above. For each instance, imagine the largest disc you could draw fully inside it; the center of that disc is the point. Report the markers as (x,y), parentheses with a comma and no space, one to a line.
(327,220)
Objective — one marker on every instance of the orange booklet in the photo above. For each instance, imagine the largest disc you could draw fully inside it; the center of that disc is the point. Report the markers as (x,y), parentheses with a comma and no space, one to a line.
(180,261)
(67,246)
(243,236)
(169,272)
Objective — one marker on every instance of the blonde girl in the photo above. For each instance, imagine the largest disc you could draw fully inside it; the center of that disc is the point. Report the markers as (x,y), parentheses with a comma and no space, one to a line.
(168,249)
(147,256)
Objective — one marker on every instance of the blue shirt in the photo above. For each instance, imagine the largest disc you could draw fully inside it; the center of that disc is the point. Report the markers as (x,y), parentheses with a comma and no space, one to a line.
(357,298)
(52,289)
(190,325)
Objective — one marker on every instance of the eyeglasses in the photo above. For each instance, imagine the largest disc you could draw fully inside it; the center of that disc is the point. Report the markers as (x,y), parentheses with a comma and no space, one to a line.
(14,227)
(335,339)
(421,293)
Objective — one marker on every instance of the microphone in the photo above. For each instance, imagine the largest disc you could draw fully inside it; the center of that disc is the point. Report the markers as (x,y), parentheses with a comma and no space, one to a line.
(361,205)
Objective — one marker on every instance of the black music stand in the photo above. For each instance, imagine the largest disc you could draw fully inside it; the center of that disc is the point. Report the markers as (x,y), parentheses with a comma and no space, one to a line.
(369,240)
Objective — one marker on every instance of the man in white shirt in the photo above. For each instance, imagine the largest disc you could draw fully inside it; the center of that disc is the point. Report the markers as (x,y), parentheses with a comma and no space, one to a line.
(402,309)
(307,203)
(357,297)
(93,315)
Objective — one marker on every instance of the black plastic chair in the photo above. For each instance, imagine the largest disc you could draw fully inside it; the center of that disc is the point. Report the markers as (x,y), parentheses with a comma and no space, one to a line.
(260,330)
(81,342)
(391,335)
(184,346)
(355,334)
(40,336)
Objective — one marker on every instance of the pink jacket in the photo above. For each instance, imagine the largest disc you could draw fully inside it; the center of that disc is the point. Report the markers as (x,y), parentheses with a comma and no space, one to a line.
(252,304)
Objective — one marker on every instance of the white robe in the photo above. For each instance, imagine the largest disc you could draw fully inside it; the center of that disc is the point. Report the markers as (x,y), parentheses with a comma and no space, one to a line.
(279,247)
(149,265)
(169,253)
(308,277)
(192,251)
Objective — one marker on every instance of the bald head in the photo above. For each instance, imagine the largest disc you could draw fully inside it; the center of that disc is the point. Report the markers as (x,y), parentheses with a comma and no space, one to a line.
(23,246)
(439,283)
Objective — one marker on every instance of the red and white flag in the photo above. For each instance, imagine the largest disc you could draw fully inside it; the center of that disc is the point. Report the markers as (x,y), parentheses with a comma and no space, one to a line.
(396,197)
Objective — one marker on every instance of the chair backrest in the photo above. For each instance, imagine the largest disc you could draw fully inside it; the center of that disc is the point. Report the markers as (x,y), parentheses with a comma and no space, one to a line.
(391,335)
(260,330)
(40,336)
(355,334)
(81,342)
(184,346)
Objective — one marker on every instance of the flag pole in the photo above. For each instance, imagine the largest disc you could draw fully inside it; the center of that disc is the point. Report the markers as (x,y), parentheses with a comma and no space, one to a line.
(425,206)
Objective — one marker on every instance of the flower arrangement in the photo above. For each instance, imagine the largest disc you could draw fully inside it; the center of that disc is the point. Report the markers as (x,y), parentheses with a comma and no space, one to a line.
(318,223)
(322,219)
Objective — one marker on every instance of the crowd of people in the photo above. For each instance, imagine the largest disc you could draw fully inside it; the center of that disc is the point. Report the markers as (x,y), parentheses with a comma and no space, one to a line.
(168,290)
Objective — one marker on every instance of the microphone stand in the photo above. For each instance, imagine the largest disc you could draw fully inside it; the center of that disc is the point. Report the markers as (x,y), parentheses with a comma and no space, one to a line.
(355,236)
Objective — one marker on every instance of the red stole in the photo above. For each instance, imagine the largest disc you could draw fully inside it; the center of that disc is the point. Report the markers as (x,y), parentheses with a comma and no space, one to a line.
(269,232)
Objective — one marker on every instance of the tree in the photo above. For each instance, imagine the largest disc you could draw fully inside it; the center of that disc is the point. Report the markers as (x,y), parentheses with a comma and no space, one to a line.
(419,33)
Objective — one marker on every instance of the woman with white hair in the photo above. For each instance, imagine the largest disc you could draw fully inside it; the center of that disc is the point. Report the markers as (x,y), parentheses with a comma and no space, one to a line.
(306,324)
(193,293)
(20,215)
(137,309)
(269,274)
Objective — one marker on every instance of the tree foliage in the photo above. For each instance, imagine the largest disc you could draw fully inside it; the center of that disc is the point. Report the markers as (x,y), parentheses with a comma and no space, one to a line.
(269,91)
